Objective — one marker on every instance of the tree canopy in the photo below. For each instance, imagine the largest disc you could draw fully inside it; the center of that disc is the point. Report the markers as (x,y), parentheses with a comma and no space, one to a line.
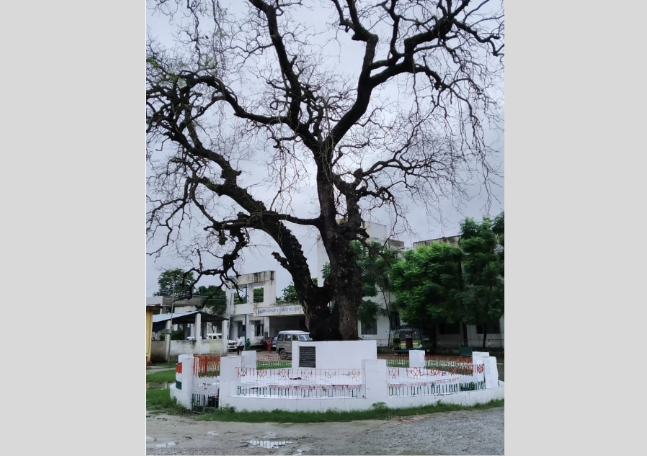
(483,270)
(213,298)
(259,87)
(427,284)
(441,283)
(175,282)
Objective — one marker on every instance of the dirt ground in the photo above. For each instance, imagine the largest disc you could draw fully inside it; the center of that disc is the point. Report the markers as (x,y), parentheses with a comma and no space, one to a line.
(460,432)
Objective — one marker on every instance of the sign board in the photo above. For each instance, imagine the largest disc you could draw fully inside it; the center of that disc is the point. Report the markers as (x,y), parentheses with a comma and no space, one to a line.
(285,310)
(308,357)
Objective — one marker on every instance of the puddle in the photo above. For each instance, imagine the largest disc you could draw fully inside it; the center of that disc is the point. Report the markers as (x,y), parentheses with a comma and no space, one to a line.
(212,433)
(158,385)
(150,440)
(271,443)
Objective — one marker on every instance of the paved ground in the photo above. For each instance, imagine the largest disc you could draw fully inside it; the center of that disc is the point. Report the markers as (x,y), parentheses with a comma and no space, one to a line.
(462,432)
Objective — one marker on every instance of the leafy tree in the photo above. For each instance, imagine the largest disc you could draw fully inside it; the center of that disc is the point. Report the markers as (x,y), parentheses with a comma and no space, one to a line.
(427,284)
(175,282)
(483,296)
(290,293)
(249,85)
(213,298)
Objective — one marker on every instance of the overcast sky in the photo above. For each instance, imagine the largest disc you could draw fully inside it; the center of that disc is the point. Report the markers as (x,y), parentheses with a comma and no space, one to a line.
(424,227)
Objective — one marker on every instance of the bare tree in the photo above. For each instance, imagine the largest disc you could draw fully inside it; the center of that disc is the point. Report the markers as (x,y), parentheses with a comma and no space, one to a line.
(266,82)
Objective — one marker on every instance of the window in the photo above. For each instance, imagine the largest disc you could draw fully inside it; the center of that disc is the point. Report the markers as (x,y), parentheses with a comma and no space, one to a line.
(491,326)
(240,297)
(281,337)
(369,326)
(258,294)
(258,328)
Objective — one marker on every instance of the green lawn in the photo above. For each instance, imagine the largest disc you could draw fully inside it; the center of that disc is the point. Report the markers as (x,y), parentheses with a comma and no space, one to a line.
(163,376)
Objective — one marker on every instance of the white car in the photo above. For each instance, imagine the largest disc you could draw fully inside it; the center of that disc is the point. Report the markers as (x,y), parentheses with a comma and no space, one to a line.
(231,344)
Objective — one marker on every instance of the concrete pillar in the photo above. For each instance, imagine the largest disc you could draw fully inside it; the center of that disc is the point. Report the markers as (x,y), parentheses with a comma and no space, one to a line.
(491,372)
(186,380)
(225,337)
(416,358)
(198,326)
(249,358)
(228,378)
(375,384)
(167,346)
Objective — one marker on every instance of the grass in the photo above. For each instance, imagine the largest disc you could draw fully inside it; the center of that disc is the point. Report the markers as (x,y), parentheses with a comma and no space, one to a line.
(379,412)
(159,400)
(159,377)
(161,365)
(280,364)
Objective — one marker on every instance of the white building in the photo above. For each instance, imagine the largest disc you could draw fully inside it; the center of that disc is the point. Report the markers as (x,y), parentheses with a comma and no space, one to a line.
(259,315)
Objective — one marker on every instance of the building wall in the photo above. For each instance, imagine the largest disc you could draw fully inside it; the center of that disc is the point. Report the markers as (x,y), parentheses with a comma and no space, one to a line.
(187,347)
(382,336)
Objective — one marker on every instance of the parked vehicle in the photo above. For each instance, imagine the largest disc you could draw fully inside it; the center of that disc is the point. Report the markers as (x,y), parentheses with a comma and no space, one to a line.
(406,338)
(284,341)
(231,344)
(274,342)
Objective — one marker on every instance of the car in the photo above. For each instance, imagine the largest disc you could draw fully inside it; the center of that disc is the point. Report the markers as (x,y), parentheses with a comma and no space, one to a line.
(284,341)
(231,344)
(274,342)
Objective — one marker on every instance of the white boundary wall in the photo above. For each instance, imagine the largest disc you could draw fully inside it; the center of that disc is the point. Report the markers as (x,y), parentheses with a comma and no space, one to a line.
(374,390)
(339,355)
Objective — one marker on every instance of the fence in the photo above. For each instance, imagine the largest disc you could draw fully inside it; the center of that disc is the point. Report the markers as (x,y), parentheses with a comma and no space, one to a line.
(449,379)
(206,365)
(299,382)
(268,362)
(208,381)
(431,361)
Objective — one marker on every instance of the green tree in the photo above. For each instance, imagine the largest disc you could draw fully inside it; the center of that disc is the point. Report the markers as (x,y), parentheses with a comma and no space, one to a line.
(213,298)
(290,293)
(483,271)
(427,284)
(175,282)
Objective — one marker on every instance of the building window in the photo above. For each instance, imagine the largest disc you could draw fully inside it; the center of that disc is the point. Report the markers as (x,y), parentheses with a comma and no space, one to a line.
(492,327)
(449,328)
(258,294)
(369,326)
(259,328)
(240,297)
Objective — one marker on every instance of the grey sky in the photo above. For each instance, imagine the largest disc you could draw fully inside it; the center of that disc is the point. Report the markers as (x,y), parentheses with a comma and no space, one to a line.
(259,258)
